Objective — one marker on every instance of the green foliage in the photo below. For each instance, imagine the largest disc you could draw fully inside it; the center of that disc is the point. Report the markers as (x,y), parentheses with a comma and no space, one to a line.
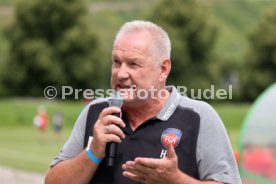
(192,41)
(51,43)
(233,20)
(260,65)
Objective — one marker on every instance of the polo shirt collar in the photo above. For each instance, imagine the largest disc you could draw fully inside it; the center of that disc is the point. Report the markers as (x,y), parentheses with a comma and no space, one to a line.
(170,105)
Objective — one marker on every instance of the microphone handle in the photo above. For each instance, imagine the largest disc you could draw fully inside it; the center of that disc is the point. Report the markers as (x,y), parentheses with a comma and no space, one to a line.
(111,150)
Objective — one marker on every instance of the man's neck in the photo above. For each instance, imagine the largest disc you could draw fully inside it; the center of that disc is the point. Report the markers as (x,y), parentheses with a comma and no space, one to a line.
(143,111)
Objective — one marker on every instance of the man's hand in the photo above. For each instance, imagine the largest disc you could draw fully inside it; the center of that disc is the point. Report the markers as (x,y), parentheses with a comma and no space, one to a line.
(106,129)
(152,171)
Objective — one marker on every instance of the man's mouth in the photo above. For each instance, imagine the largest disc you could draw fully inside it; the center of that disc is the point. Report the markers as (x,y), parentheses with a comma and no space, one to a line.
(122,86)
(126,91)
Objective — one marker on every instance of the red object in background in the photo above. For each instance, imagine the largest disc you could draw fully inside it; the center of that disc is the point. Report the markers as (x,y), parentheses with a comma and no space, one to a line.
(237,156)
(43,121)
(246,181)
(260,161)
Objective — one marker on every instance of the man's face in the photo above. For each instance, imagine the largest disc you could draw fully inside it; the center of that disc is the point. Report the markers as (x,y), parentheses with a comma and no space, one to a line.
(134,66)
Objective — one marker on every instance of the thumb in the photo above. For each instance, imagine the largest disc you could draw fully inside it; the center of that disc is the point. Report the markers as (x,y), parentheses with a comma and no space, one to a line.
(170,151)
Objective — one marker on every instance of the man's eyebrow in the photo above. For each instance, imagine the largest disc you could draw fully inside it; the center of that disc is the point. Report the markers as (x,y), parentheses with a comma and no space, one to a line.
(114,56)
(133,59)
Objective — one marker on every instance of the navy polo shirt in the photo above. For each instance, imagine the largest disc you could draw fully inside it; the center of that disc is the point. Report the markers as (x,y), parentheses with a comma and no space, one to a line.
(174,123)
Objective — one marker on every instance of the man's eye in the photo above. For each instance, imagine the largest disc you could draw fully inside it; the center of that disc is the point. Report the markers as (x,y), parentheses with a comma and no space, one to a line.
(133,64)
(116,62)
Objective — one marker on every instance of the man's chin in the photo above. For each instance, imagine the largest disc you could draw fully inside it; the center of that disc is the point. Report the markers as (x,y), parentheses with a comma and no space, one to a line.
(133,101)
(126,93)
(127,98)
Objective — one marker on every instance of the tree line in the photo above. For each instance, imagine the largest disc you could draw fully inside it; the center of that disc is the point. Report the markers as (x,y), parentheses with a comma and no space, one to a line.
(52,43)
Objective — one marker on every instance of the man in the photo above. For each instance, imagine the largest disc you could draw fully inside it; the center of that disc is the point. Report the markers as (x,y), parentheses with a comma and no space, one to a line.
(162,137)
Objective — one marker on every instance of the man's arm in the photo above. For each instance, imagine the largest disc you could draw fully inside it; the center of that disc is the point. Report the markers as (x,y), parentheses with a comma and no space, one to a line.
(77,170)
(185,179)
(71,158)
(76,166)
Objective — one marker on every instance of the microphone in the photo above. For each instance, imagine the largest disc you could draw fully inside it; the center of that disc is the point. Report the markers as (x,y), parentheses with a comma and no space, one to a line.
(111,148)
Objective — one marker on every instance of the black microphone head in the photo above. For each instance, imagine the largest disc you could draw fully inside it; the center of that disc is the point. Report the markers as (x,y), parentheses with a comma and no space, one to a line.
(115,100)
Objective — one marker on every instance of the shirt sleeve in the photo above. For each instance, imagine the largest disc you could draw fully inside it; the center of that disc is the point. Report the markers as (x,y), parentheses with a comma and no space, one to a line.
(215,156)
(74,145)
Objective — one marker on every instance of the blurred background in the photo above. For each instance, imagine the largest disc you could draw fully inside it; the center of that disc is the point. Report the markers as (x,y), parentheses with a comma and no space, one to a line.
(68,42)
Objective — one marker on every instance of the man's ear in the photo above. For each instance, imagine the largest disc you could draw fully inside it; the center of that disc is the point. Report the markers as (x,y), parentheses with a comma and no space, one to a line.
(165,70)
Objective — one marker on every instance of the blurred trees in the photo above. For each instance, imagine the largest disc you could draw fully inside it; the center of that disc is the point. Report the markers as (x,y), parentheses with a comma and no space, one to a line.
(192,40)
(259,69)
(51,43)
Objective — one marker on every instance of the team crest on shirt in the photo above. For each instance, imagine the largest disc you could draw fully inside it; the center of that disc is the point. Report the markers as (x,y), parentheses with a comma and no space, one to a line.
(172,135)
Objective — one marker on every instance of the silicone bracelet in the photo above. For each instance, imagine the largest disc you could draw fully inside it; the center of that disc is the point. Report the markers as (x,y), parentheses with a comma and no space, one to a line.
(92,157)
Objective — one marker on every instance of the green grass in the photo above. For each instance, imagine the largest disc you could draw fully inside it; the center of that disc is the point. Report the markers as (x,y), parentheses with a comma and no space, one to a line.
(232,116)
(20,143)
(19,140)
(20,148)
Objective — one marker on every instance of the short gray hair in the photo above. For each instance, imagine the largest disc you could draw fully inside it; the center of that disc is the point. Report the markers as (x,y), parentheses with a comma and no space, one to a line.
(162,43)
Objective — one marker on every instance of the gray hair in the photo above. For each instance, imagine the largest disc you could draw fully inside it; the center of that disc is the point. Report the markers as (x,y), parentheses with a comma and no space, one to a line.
(161,40)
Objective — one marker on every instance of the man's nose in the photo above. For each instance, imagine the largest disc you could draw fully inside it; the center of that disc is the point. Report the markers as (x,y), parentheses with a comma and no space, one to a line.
(122,72)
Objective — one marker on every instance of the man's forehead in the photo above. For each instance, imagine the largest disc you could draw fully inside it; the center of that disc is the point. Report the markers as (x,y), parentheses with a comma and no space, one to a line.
(138,44)
(129,53)
(133,37)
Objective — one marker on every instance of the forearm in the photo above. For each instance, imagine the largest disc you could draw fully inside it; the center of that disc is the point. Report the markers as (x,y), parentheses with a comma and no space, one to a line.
(78,170)
(183,178)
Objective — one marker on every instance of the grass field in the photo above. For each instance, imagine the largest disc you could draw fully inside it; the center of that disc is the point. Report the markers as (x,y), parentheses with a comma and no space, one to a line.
(19,140)
(20,148)
(232,116)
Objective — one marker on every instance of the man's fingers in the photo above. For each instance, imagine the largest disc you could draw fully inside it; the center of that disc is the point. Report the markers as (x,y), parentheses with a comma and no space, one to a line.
(131,167)
(131,172)
(109,111)
(113,138)
(110,119)
(133,177)
(136,168)
(170,151)
(148,162)
(114,129)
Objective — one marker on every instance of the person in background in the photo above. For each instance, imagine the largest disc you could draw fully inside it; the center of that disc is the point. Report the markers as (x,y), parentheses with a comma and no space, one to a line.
(41,122)
(57,125)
